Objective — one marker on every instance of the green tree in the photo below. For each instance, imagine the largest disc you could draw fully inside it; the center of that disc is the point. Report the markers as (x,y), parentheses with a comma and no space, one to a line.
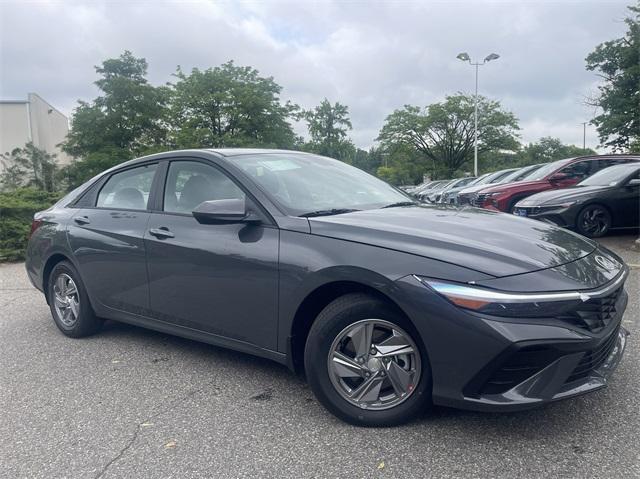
(618,64)
(28,167)
(229,106)
(125,121)
(368,161)
(443,133)
(402,165)
(548,149)
(328,126)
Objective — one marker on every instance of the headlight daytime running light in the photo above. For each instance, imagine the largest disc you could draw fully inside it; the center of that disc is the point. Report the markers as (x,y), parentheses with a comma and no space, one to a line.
(502,303)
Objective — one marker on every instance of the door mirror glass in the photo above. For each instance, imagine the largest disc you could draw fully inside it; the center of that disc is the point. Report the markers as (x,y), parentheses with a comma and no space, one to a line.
(558,177)
(223,211)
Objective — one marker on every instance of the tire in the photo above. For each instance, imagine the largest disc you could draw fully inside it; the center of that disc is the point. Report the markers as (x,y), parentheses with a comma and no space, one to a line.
(69,302)
(594,221)
(353,313)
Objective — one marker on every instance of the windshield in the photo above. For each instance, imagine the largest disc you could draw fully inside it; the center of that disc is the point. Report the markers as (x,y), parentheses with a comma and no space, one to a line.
(461,182)
(479,180)
(545,170)
(494,177)
(304,183)
(432,185)
(519,174)
(609,176)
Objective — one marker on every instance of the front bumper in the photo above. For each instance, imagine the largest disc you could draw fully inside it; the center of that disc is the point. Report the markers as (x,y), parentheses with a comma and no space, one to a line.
(560,216)
(508,364)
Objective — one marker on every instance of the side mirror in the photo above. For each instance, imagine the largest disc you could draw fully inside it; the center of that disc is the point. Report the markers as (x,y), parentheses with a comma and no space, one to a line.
(224,211)
(634,182)
(558,177)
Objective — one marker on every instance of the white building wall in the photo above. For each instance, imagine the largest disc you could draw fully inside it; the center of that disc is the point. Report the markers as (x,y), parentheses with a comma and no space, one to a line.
(33,120)
(14,125)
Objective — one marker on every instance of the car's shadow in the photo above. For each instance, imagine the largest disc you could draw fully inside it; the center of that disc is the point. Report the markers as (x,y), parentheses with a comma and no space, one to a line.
(538,424)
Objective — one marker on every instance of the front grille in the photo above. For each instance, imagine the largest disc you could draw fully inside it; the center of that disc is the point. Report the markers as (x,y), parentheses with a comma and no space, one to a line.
(594,359)
(464,199)
(479,199)
(595,314)
(518,367)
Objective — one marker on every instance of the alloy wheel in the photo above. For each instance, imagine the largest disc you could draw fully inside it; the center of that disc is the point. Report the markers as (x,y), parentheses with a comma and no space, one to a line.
(374,364)
(595,221)
(66,300)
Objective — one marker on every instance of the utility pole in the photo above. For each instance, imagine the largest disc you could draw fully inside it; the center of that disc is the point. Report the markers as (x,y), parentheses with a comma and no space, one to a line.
(466,58)
(584,134)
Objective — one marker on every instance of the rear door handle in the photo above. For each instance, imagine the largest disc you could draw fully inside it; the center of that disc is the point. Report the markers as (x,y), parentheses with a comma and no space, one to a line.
(161,233)
(81,220)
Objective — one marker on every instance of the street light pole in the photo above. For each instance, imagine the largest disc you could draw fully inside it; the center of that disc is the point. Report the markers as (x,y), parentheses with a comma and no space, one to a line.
(475,128)
(466,58)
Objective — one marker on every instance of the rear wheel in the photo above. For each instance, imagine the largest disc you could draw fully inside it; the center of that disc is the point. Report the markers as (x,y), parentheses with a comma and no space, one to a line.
(365,363)
(69,302)
(593,221)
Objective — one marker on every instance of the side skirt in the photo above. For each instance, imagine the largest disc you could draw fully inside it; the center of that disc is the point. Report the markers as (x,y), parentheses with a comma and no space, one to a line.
(196,335)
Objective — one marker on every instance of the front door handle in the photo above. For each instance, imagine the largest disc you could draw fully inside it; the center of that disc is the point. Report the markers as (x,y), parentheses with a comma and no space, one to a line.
(161,233)
(81,220)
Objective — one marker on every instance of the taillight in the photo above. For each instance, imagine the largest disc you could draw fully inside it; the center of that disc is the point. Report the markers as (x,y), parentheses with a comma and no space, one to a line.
(35,224)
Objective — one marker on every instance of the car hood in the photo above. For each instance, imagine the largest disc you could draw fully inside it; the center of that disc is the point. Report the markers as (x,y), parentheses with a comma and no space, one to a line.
(457,189)
(492,243)
(567,194)
(519,186)
(473,189)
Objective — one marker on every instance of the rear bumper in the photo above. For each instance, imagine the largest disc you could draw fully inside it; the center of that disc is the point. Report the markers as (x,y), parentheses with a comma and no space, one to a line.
(509,364)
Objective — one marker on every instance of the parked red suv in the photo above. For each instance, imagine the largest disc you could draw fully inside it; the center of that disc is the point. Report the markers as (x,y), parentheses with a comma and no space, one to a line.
(555,175)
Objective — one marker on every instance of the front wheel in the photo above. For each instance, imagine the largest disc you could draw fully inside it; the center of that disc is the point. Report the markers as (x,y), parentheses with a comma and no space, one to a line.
(365,363)
(593,221)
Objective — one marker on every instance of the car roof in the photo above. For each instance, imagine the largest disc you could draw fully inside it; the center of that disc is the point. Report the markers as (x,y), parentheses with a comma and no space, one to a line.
(251,151)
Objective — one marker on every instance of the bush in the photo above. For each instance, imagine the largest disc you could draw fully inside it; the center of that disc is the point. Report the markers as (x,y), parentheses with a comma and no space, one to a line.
(16,212)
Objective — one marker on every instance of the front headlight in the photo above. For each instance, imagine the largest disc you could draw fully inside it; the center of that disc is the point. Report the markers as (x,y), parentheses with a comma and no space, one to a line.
(499,303)
(561,205)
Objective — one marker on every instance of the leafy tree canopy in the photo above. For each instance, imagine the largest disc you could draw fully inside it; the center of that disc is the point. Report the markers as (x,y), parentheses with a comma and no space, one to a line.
(618,63)
(229,106)
(127,116)
(444,132)
(328,126)
(548,149)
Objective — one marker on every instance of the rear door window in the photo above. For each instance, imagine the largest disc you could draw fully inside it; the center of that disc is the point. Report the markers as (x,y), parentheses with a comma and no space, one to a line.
(128,190)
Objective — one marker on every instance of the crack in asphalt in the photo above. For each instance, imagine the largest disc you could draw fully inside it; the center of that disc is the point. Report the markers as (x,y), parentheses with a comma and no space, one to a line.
(138,429)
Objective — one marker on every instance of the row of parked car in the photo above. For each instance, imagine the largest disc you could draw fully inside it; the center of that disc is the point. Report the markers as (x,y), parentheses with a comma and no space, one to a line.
(591,194)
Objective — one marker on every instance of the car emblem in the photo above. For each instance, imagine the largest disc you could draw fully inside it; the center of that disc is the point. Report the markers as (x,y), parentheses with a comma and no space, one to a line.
(605,263)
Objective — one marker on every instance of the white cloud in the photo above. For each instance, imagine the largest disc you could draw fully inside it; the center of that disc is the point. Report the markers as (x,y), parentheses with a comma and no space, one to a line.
(373,57)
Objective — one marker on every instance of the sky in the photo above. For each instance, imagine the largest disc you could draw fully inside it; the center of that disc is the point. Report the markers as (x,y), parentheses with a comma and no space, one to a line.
(373,56)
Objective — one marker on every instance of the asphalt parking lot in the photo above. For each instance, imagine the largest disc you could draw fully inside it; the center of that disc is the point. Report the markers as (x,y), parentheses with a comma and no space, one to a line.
(134,403)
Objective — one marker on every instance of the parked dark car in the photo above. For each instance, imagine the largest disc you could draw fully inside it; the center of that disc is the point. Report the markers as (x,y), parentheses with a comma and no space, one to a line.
(554,176)
(467,194)
(386,305)
(610,199)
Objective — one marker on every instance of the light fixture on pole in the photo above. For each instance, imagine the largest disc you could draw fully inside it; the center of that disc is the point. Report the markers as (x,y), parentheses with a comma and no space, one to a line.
(466,58)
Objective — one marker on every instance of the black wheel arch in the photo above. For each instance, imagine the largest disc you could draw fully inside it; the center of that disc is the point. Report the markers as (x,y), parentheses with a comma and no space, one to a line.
(314,302)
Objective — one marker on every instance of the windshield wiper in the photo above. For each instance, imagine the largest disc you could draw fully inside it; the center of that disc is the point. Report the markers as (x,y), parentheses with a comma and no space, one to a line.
(333,211)
(401,203)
